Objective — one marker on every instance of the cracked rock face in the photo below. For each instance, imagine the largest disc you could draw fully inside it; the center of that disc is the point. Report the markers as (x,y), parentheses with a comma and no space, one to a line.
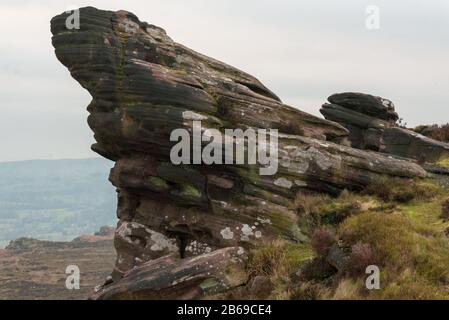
(143,86)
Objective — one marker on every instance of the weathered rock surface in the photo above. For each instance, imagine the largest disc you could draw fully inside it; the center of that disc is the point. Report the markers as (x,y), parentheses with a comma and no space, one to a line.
(406,143)
(364,115)
(369,105)
(371,122)
(144,85)
(260,287)
(336,257)
(168,278)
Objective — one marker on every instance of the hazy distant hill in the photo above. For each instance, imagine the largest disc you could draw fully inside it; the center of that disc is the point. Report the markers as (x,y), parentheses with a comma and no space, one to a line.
(55,199)
(33,269)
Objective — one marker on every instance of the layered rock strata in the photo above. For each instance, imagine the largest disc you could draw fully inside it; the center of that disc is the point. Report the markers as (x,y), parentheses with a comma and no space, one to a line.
(372,125)
(144,86)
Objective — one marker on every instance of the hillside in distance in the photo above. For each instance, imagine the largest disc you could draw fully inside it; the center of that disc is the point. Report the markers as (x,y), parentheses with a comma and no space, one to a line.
(55,199)
(33,269)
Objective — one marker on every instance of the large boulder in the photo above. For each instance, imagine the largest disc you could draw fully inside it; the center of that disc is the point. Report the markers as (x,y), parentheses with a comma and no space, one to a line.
(367,104)
(144,86)
(372,125)
(364,115)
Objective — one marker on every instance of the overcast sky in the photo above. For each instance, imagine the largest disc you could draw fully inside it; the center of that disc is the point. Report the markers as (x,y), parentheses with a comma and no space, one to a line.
(302,50)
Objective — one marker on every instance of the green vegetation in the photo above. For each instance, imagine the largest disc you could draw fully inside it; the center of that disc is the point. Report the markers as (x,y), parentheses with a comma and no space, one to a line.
(277,258)
(315,210)
(399,241)
(401,190)
(400,228)
(443,162)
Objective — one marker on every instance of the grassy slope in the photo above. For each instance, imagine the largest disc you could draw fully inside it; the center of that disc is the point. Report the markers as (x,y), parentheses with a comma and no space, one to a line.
(407,237)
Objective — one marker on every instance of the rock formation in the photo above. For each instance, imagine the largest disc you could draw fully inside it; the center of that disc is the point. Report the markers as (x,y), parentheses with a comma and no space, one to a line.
(371,122)
(144,86)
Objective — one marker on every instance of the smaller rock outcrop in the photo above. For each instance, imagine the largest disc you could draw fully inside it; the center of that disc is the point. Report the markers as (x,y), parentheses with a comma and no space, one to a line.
(372,123)
(364,115)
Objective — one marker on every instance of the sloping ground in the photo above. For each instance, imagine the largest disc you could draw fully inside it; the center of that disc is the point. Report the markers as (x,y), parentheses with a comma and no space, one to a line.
(32,269)
(401,227)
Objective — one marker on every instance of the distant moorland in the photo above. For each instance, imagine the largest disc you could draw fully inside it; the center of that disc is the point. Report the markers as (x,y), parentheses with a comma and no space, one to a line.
(55,199)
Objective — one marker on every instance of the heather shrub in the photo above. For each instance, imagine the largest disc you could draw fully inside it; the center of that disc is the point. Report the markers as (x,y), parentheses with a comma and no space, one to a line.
(361,256)
(441,133)
(322,240)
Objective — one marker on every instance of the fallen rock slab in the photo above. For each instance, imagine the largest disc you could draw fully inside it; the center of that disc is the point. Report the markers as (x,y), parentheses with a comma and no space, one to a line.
(168,278)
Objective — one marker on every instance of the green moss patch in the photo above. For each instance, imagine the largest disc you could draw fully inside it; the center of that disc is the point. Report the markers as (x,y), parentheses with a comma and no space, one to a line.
(443,162)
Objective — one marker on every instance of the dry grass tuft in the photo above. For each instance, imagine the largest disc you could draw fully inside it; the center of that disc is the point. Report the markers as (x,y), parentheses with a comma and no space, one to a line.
(445,209)
(315,210)
(401,190)
(268,260)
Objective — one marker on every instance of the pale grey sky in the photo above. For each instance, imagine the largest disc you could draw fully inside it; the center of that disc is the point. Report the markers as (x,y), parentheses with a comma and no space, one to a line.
(302,50)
